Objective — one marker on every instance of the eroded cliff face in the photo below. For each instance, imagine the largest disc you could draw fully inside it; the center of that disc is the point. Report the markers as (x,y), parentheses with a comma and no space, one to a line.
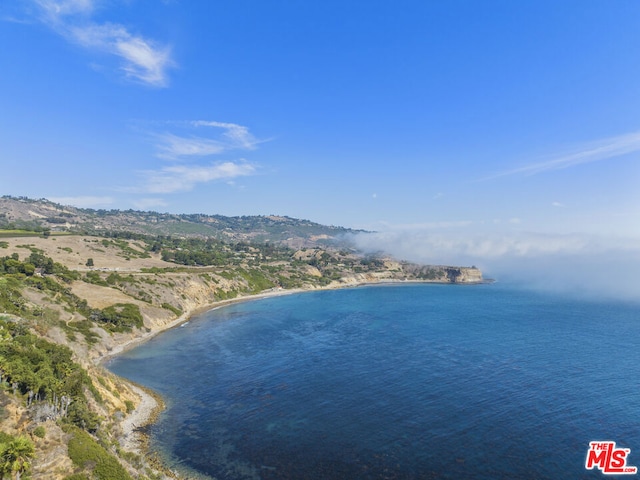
(188,293)
(464,275)
(442,274)
(164,300)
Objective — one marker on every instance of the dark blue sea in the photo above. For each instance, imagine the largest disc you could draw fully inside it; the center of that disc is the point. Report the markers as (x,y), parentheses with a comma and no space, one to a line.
(396,382)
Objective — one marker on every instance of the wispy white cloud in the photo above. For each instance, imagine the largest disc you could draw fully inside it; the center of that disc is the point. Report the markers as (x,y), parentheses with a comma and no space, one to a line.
(55,9)
(182,178)
(184,144)
(171,146)
(143,60)
(84,201)
(594,152)
(181,140)
(236,134)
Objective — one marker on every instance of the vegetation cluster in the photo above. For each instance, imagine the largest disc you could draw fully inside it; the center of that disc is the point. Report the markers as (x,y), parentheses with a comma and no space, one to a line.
(45,374)
(87,454)
(15,455)
(53,279)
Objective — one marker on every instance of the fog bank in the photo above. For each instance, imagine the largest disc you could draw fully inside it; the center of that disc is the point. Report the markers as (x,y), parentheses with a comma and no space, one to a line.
(582,265)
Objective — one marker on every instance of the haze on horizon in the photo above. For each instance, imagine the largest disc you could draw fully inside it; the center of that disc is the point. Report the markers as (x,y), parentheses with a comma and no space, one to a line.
(500,134)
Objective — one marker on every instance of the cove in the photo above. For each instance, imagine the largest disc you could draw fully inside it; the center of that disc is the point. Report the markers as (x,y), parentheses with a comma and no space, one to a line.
(411,381)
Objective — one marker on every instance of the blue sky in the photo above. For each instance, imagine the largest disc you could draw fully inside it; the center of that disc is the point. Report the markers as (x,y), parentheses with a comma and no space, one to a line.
(436,119)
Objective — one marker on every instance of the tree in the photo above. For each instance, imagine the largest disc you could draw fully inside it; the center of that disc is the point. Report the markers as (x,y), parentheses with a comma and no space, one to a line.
(16,456)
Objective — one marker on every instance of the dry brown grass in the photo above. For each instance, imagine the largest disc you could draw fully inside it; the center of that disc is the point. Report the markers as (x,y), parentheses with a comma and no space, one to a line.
(73,251)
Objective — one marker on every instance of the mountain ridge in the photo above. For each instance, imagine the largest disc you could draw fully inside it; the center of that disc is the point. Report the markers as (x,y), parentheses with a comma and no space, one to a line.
(24,212)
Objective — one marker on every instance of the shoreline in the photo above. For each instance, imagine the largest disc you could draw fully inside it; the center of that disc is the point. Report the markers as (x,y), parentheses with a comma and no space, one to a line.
(185,317)
(133,438)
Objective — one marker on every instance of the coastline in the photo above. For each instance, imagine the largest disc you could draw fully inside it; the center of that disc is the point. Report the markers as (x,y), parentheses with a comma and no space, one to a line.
(185,317)
(133,438)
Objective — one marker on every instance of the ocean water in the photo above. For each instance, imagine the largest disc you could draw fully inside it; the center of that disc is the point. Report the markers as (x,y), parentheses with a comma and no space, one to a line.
(396,382)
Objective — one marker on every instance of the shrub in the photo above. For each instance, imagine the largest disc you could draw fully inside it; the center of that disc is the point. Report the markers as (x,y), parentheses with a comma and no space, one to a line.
(80,416)
(95,278)
(86,452)
(130,406)
(170,307)
(121,317)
